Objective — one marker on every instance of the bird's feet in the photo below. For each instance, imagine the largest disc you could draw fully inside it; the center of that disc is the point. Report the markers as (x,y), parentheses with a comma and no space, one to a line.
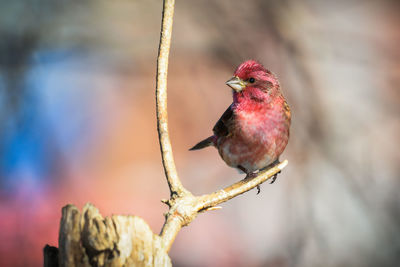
(258,189)
(270,166)
(273,181)
(274,177)
(251,175)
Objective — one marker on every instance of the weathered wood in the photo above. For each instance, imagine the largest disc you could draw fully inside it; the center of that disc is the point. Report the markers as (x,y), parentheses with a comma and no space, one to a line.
(88,239)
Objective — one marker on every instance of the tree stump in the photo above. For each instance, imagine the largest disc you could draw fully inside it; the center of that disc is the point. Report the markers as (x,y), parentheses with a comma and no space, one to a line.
(88,239)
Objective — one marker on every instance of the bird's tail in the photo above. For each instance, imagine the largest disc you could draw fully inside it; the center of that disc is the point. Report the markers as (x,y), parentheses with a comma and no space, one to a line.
(205,143)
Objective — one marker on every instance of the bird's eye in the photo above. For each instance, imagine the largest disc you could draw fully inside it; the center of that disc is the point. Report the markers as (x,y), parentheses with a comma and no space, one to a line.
(252,80)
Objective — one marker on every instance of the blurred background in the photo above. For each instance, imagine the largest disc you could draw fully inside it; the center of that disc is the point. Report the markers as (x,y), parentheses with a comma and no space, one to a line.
(77,125)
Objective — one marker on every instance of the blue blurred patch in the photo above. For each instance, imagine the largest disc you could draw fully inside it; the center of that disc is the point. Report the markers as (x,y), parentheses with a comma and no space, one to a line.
(54,122)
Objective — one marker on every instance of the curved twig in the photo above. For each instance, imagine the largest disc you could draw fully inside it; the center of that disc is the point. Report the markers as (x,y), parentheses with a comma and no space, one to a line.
(161,100)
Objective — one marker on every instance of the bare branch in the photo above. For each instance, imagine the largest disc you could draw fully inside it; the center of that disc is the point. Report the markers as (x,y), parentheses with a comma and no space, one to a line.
(183,210)
(208,202)
(161,100)
(183,206)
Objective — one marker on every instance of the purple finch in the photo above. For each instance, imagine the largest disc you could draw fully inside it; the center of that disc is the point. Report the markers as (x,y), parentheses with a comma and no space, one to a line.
(254,130)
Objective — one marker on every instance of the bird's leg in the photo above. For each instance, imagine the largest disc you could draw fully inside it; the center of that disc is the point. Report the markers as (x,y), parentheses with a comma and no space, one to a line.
(254,175)
(276,175)
(270,166)
(240,167)
(250,175)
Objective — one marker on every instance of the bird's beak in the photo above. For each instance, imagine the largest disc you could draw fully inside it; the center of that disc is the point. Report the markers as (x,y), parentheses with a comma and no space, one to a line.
(236,84)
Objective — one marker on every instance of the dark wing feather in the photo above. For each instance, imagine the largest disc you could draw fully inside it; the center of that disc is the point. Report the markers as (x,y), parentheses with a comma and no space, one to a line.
(225,124)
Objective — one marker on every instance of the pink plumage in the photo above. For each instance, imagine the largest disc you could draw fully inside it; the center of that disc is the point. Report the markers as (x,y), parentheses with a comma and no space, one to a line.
(254,130)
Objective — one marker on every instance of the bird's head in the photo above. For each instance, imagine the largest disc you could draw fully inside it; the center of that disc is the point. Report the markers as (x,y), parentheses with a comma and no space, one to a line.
(252,76)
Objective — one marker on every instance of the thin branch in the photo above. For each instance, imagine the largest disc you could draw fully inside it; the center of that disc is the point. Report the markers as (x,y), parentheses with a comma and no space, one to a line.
(183,206)
(206,202)
(161,100)
(183,210)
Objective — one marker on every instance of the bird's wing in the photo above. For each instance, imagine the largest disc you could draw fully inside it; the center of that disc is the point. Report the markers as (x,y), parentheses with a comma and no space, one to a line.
(225,124)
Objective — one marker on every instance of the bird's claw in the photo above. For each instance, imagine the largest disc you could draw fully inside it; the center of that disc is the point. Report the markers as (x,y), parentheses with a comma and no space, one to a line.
(274,177)
(251,175)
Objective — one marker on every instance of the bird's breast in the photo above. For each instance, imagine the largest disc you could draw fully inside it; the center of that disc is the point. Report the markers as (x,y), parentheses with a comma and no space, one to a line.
(257,140)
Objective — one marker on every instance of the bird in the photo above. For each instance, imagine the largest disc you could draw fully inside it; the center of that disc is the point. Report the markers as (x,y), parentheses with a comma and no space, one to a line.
(254,130)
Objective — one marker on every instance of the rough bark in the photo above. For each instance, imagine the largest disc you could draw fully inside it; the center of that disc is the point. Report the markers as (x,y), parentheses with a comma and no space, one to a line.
(88,239)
